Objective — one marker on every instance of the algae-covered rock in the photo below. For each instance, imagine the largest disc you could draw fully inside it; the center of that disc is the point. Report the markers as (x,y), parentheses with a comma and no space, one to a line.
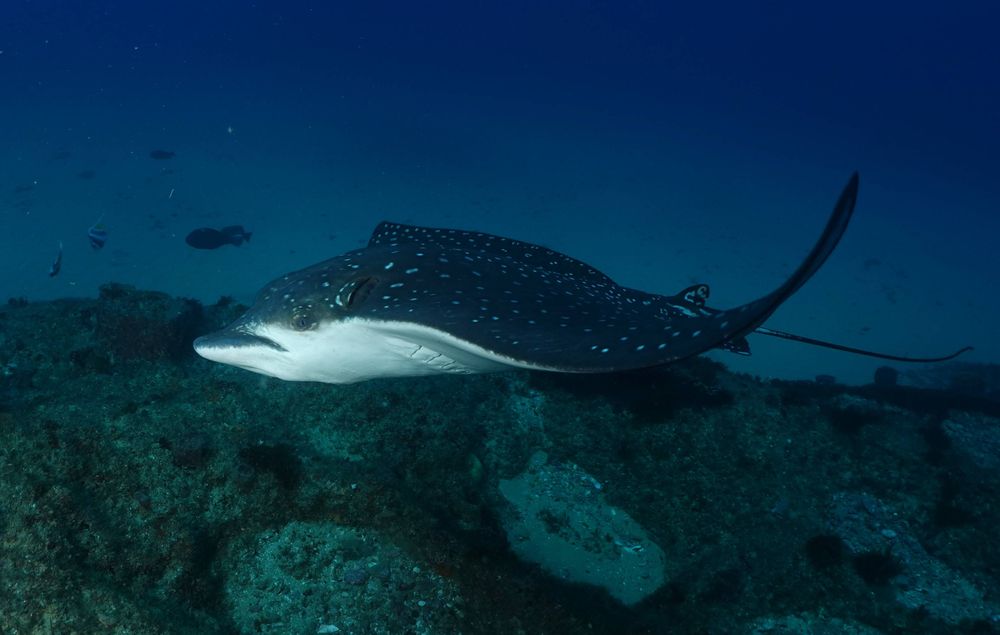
(145,325)
(310,577)
(143,490)
(870,526)
(561,522)
(808,624)
(976,438)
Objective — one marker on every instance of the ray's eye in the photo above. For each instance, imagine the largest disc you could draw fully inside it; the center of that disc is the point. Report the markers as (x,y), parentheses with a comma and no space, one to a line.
(302,322)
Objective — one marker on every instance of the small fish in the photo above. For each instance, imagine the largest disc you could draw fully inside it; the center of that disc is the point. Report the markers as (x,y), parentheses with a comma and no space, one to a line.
(161,155)
(98,234)
(57,265)
(208,238)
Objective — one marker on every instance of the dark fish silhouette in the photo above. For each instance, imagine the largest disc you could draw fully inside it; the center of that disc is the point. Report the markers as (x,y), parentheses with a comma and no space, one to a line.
(161,155)
(208,238)
(57,263)
(422,301)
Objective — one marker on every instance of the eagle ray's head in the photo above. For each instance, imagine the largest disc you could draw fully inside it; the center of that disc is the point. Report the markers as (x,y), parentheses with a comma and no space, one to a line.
(301,327)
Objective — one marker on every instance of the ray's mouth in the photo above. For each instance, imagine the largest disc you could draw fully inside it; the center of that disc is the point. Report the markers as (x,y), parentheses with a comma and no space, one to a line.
(235,339)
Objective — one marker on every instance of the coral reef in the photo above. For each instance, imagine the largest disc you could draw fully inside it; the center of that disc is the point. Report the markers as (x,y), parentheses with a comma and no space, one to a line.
(144,490)
(339,580)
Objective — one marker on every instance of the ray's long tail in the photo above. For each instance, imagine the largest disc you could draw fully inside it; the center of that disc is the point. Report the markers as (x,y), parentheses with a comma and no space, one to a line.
(859,351)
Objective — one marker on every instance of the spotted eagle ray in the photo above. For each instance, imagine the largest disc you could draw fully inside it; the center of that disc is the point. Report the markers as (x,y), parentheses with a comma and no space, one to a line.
(424,301)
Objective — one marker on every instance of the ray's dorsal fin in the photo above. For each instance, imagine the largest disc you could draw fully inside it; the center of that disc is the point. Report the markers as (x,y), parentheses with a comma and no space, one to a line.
(690,302)
(389,233)
(696,295)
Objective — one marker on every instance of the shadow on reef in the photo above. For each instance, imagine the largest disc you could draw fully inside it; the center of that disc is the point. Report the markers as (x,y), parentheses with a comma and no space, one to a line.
(650,395)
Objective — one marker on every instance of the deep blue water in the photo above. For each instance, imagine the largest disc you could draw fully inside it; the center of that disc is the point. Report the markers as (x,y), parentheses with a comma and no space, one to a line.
(664,143)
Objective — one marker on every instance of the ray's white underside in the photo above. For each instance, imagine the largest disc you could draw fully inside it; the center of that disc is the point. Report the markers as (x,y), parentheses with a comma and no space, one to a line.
(349,351)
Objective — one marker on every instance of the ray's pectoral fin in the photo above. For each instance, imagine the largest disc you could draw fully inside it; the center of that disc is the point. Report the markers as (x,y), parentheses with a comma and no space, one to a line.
(728,328)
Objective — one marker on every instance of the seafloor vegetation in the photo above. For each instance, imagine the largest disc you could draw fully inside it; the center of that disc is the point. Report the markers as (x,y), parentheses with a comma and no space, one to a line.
(143,490)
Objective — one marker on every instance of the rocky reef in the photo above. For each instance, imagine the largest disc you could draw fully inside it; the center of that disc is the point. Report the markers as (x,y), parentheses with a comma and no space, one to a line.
(144,490)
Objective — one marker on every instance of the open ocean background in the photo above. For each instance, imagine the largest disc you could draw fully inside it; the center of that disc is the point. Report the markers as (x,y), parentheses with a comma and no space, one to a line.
(145,490)
(664,143)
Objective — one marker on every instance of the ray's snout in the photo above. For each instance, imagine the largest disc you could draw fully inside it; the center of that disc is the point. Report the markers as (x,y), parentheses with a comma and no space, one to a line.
(210,346)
